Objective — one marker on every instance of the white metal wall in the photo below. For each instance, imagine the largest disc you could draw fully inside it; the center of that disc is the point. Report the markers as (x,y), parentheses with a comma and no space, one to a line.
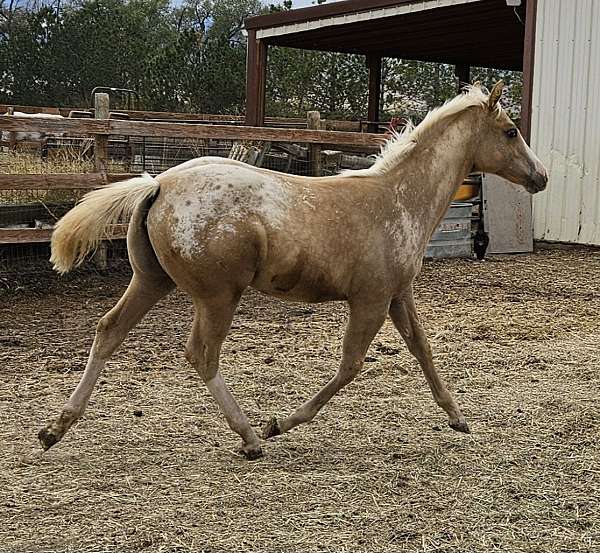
(565,130)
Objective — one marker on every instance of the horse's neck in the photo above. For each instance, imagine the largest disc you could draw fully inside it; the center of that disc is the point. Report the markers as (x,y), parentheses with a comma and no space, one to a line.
(430,175)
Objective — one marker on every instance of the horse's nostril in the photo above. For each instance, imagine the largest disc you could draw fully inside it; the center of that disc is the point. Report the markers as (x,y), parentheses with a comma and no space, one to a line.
(538,181)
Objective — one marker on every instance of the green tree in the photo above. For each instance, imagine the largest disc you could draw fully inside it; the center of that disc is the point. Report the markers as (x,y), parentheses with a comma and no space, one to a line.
(187,57)
(210,54)
(513,91)
(301,80)
(192,56)
(110,43)
(24,45)
(412,88)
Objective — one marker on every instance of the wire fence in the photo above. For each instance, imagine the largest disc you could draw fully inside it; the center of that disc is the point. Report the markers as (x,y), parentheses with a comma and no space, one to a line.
(40,209)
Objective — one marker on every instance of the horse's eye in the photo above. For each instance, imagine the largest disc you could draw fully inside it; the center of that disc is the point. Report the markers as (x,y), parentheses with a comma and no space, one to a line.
(512,133)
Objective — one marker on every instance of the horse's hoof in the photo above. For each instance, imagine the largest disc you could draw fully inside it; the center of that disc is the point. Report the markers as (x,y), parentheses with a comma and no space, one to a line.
(47,438)
(252,452)
(460,426)
(271,429)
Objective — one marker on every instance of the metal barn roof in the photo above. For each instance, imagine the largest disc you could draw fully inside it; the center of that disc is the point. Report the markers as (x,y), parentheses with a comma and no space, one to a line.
(486,33)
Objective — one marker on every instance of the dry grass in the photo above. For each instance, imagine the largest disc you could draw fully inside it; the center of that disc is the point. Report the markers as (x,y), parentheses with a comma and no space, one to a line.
(66,159)
(517,338)
(63,160)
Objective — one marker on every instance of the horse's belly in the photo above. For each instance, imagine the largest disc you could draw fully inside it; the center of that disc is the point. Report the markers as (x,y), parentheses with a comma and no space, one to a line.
(300,279)
(306,294)
(302,293)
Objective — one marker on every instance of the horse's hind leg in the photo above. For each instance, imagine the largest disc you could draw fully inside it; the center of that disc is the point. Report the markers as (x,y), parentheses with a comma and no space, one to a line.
(404,316)
(149,284)
(211,324)
(112,329)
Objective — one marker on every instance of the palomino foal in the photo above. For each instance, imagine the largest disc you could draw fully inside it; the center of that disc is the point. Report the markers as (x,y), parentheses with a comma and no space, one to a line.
(213,227)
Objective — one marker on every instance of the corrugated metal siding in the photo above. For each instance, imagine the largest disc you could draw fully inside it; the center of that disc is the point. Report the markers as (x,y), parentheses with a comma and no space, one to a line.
(565,130)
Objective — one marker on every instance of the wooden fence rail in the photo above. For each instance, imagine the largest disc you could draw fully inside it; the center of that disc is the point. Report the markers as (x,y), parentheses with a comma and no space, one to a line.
(61,181)
(79,127)
(36,235)
(101,128)
(332,124)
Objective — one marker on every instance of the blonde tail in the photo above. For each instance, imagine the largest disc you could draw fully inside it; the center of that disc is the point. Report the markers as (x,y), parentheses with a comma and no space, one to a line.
(81,229)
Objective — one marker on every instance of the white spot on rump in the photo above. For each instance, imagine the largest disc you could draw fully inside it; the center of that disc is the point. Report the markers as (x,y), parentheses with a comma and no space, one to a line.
(208,202)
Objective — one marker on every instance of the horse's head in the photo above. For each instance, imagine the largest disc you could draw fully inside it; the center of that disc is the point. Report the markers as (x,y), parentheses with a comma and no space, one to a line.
(502,150)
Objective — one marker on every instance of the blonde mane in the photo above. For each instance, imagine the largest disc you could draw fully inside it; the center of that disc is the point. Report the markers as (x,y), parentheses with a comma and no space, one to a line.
(400,144)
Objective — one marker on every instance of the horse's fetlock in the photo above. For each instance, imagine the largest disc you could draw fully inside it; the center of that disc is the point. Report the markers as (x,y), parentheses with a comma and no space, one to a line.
(348,374)
(69,414)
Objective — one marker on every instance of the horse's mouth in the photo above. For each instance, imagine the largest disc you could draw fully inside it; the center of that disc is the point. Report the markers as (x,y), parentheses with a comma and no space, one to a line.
(537,183)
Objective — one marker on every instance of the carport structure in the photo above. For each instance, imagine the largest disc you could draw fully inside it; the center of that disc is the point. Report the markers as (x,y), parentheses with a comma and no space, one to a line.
(465,33)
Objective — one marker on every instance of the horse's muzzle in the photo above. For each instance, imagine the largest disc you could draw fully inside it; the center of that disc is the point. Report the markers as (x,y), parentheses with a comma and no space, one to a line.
(537,181)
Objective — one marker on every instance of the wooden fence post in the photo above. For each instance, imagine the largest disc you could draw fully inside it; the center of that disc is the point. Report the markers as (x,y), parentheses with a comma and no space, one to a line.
(12,136)
(101,106)
(101,110)
(313,122)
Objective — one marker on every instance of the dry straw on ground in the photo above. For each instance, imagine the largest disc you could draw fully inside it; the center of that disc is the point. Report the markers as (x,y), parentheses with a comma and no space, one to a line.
(517,338)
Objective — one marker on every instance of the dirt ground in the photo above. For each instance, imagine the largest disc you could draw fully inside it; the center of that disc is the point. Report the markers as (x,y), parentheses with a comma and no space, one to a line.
(516,338)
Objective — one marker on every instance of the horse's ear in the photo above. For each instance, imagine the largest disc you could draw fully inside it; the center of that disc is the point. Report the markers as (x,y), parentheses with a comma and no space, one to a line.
(476,84)
(495,95)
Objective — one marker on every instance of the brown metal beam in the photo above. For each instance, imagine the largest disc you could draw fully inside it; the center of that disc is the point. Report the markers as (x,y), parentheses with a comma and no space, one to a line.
(411,32)
(528,62)
(463,72)
(374,65)
(256,80)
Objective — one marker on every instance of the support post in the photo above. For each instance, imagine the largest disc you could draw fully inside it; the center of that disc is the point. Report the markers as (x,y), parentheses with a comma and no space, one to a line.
(374,65)
(256,80)
(313,122)
(528,59)
(463,73)
(102,108)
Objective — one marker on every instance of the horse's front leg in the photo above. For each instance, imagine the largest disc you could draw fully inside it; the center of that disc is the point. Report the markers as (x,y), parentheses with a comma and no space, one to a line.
(405,318)
(366,318)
